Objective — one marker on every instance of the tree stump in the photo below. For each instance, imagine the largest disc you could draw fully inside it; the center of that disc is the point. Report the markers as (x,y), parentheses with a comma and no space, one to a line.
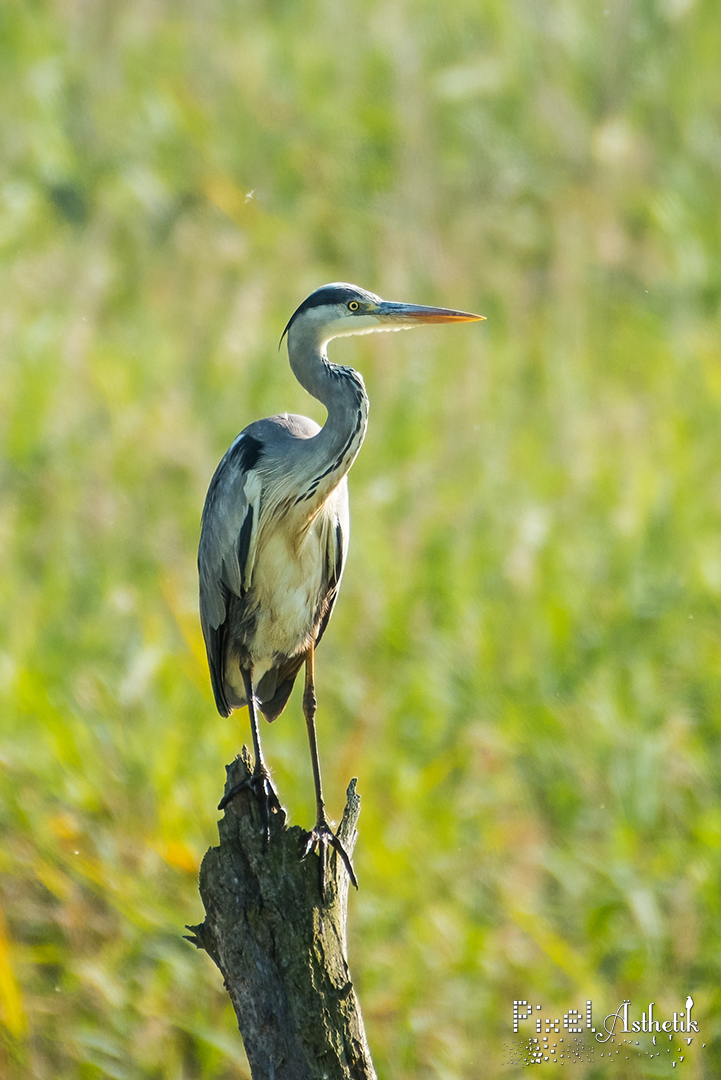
(280,947)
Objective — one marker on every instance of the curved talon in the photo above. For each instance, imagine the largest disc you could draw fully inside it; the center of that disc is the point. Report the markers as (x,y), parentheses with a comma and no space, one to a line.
(261,785)
(320,837)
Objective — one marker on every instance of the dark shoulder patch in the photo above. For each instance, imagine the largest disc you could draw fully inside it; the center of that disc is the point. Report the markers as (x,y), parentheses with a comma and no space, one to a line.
(246,452)
(243,455)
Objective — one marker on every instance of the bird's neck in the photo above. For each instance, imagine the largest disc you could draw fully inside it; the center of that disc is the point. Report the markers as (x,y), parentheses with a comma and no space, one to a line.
(333,450)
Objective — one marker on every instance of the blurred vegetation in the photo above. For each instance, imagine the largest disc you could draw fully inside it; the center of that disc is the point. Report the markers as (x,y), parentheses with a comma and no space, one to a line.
(524,666)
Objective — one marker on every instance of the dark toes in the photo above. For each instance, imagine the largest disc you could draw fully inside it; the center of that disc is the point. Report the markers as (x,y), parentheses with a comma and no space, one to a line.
(229,795)
(262,787)
(320,837)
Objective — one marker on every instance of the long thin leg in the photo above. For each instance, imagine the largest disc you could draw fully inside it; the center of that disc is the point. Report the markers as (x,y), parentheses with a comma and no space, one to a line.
(260,765)
(322,834)
(259,782)
(310,705)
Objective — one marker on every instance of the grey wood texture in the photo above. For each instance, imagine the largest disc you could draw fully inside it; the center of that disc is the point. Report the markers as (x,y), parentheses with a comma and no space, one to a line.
(280,947)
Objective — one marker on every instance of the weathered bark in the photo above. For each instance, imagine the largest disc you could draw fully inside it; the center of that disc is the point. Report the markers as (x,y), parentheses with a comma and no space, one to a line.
(280,948)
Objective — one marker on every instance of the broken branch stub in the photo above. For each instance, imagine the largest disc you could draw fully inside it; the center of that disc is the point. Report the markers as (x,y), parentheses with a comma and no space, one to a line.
(280,946)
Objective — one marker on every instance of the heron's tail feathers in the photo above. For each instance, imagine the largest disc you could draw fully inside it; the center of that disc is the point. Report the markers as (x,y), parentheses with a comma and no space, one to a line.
(273,690)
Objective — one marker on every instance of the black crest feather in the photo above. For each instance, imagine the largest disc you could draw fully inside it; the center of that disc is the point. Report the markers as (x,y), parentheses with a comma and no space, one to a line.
(339,292)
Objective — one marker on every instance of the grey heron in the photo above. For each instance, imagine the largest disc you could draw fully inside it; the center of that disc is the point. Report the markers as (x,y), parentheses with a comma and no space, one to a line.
(274,532)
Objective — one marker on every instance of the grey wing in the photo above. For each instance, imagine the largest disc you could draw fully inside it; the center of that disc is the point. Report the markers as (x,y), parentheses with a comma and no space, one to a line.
(227,549)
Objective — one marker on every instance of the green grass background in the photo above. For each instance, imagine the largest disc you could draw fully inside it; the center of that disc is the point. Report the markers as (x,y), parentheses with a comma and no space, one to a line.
(524,666)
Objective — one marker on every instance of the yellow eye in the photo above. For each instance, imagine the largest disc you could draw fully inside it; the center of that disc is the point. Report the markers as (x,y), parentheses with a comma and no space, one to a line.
(353,306)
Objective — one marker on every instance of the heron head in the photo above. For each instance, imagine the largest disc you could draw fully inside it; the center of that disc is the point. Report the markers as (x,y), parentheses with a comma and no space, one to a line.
(340,309)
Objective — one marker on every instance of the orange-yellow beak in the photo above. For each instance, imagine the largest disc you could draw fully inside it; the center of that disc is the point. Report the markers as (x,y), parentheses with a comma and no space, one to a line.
(416,314)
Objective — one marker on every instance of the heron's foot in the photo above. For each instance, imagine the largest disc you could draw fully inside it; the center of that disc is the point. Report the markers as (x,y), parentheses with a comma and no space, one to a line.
(321,837)
(261,785)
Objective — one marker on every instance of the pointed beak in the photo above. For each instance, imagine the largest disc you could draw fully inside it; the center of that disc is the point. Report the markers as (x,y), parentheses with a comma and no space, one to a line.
(416,314)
